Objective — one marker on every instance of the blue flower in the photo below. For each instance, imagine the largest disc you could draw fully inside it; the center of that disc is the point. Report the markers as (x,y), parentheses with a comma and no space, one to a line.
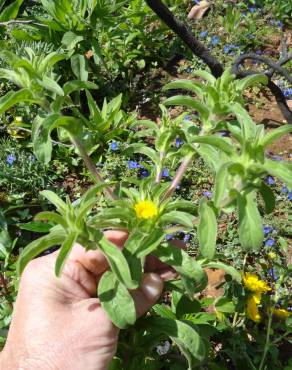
(178,142)
(187,238)
(270,180)
(165,172)
(207,194)
(203,34)
(269,242)
(169,236)
(252,9)
(226,49)
(114,146)
(10,159)
(267,230)
(187,118)
(277,158)
(134,165)
(189,70)
(224,133)
(287,93)
(290,195)
(276,23)
(273,273)
(145,173)
(284,190)
(215,40)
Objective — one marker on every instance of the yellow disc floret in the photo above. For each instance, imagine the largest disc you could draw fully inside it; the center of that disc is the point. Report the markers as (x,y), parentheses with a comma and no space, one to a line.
(254,284)
(146,209)
(281,313)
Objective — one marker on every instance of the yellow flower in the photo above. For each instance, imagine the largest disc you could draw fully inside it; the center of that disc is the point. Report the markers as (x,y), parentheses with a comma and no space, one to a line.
(252,310)
(281,313)
(272,255)
(254,284)
(146,209)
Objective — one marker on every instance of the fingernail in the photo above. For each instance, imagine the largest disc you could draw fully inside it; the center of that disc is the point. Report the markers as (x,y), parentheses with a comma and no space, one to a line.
(152,286)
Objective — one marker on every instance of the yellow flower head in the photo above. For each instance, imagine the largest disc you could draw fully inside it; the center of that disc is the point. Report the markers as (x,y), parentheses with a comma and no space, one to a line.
(281,313)
(146,209)
(254,284)
(272,255)
(252,310)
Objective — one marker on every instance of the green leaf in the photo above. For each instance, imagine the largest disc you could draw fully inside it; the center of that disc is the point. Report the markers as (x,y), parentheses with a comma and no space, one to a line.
(37,227)
(42,143)
(227,268)
(163,311)
(250,228)
(207,230)
(217,142)
(12,98)
(275,134)
(248,127)
(148,152)
(177,217)
(206,76)
(70,40)
(183,334)
(64,252)
(188,102)
(53,217)
(79,67)
(56,237)
(11,11)
(223,304)
(77,85)
(251,81)
(220,184)
(186,306)
(51,85)
(55,199)
(116,301)
(118,263)
(183,264)
(268,197)
(188,85)
(280,169)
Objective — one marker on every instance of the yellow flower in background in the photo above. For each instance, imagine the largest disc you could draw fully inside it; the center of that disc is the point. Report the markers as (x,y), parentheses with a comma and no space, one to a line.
(281,313)
(272,255)
(254,284)
(146,209)
(252,310)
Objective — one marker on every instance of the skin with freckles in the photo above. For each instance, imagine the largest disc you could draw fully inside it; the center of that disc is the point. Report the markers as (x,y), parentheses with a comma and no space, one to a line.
(58,323)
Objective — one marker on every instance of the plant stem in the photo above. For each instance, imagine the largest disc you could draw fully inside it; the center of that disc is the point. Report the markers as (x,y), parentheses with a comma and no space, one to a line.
(90,165)
(159,169)
(267,344)
(179,175)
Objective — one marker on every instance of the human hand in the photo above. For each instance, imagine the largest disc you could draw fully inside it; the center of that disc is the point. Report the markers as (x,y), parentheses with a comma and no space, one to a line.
(59,324)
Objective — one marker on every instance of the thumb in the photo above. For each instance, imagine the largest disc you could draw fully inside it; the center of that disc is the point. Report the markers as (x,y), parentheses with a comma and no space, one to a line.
(148,293)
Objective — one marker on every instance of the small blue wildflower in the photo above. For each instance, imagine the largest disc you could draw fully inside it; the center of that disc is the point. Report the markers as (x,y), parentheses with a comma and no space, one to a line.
(177,187)
(267,230)
(226,49)
(290,195)
(169,236)
(270,180)
(207,194)
(165,172)
(187,238)
(269,242)
(215,40)
(284,190)
(252,9)
(277,158)
(178,142)
(287,93)
(187,118)
(273,273)
(189,70)
(145,173)
(133,165)
(276,23)
(224,133)
(10,159)
(114,146)
(289,308)
(203,34)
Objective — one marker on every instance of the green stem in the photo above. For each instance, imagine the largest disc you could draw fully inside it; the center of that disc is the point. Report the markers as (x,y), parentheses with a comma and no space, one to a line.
(267,344)
(90,165)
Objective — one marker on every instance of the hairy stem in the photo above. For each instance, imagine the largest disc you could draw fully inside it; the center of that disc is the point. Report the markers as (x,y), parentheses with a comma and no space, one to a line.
(267,344)
(178,177)
(90,165)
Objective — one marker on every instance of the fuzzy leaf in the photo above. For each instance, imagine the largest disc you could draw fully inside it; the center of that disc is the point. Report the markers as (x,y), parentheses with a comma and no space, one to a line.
(64,252)
(207,230)
(280,169)
(189,102)
(116,301)
(275,134)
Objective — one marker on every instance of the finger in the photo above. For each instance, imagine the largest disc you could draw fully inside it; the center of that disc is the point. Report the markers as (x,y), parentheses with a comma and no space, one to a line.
(149,292)
(94,261)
